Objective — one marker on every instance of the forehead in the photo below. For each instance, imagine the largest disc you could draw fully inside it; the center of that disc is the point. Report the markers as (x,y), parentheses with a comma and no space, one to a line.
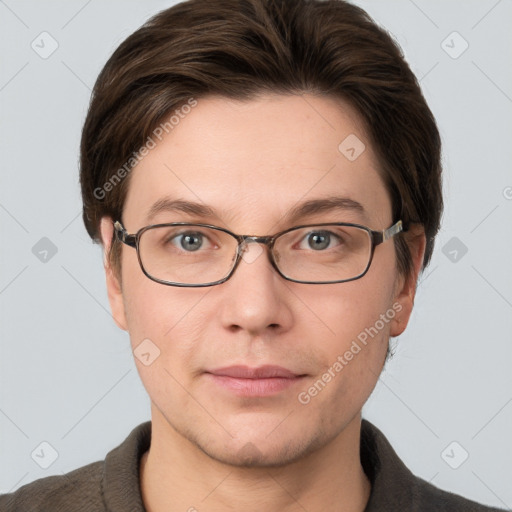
(251,162)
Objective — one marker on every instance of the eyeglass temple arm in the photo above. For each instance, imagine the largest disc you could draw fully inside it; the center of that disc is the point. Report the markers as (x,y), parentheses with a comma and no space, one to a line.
(123,235)
(382,236)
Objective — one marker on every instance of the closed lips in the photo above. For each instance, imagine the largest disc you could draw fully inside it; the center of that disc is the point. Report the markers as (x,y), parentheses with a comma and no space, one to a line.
(262,372)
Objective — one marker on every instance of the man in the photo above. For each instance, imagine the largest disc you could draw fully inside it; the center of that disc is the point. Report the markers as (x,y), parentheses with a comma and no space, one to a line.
(264,177)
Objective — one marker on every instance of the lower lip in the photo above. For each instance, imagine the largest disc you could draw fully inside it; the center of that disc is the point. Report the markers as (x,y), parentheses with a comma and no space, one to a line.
(254,387)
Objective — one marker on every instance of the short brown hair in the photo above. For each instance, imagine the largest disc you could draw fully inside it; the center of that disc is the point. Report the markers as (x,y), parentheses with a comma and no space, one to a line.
(240,48)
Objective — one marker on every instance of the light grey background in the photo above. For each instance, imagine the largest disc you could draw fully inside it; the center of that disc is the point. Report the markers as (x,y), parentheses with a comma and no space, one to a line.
(67,372)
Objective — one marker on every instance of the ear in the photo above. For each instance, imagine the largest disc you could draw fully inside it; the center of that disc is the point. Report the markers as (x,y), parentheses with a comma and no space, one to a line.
(406,285)
(115,295)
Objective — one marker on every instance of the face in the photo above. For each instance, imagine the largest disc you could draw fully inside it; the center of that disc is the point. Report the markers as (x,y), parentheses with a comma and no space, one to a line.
(252,163)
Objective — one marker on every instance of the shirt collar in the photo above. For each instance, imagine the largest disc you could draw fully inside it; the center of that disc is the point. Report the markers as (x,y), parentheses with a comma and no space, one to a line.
(392,482)
(121,479)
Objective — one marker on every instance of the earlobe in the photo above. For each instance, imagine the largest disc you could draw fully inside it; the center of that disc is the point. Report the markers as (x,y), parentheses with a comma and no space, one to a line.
(406,291)
(114,290)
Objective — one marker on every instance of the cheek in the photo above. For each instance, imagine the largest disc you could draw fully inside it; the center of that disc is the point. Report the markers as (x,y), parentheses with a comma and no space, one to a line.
(152,310)
(357,317)
(352,360)
(168,317)
(349,309)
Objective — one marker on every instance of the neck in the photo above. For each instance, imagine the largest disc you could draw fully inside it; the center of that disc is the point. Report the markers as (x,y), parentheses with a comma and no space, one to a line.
(176,476)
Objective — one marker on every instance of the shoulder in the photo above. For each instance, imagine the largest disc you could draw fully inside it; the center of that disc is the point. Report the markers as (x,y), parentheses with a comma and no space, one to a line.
(434,499)
(104,485)
(395,487)
(77,490)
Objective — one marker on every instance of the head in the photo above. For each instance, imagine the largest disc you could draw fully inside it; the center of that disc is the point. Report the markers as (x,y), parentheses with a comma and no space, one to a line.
(247,108)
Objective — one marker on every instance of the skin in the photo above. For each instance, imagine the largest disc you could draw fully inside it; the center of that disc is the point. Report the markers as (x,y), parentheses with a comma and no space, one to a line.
(252,162)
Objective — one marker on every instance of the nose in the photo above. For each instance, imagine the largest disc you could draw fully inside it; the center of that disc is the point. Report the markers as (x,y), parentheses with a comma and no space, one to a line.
(256,298)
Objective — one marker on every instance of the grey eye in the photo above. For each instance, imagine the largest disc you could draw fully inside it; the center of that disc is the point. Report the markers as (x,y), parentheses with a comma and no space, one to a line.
(319,240)
(191,241)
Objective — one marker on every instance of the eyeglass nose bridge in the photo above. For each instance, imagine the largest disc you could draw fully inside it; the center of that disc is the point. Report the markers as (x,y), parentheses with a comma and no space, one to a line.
(245,240)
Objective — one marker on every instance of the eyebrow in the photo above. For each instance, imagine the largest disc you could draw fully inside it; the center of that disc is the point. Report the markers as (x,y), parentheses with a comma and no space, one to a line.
(305,209)
(167,204)
(329,204)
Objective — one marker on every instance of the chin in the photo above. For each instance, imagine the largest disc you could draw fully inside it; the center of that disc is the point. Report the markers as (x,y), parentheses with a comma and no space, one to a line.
(262,450)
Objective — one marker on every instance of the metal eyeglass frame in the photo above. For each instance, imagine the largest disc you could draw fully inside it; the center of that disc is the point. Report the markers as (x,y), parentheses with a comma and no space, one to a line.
(376,237)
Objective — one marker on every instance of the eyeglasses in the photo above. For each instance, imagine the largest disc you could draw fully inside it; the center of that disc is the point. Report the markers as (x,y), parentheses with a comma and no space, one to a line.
(195,255)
